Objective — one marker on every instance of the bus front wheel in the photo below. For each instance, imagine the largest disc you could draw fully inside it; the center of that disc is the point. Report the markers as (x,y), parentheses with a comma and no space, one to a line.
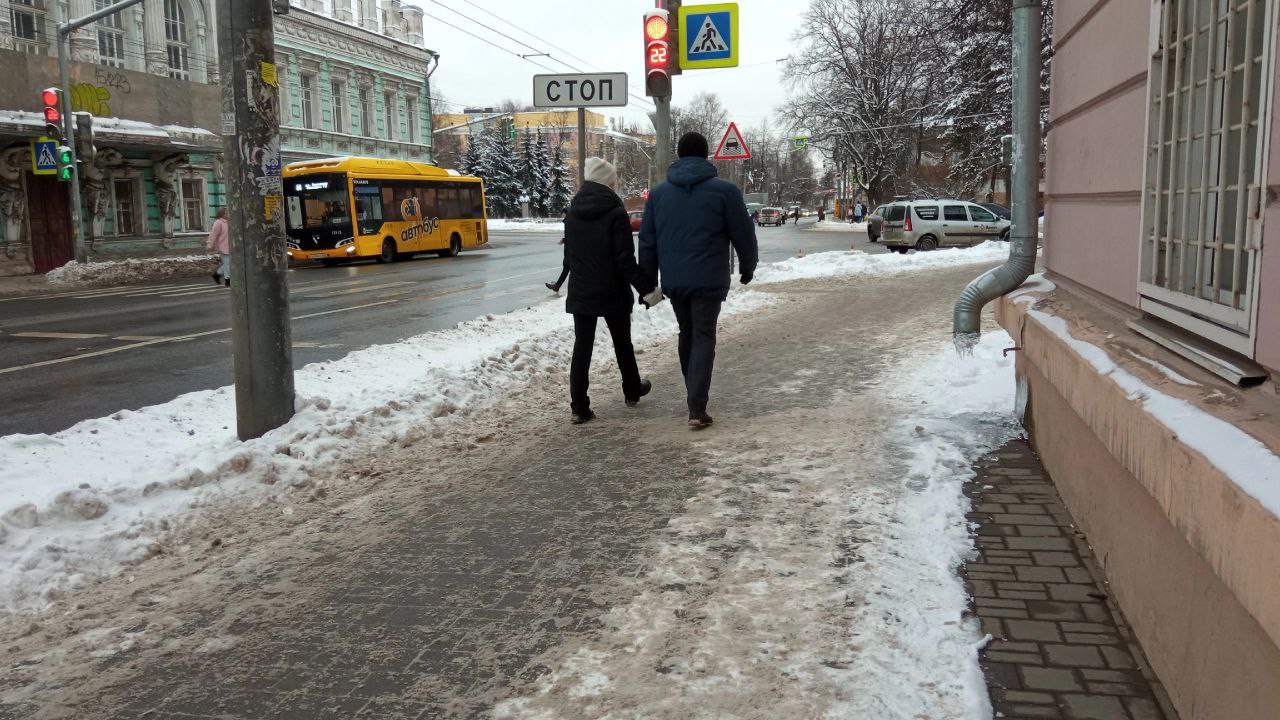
(455,247)
(388,251)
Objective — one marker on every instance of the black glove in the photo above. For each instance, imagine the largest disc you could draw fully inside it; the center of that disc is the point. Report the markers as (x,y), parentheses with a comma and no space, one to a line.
(746,277)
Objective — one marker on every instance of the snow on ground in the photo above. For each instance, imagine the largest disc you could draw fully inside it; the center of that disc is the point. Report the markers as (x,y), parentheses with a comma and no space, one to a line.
(132,270)
(538,225)
(840,598)
(838,226)
(838,263)
(105,493)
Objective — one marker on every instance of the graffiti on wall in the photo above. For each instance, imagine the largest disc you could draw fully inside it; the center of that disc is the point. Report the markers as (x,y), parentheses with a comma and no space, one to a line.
(95,97)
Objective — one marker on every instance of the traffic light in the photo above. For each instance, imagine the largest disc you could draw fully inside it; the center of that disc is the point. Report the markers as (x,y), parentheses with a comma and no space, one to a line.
(65,161)
(52,98)
(657,54)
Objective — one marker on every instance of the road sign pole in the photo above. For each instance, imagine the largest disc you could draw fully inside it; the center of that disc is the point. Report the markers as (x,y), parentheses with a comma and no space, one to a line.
(662,127)
(69,137)
(260,333)
(582,146)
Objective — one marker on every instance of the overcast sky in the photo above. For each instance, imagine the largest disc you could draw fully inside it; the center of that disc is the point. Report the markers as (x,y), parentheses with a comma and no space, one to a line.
(604,35)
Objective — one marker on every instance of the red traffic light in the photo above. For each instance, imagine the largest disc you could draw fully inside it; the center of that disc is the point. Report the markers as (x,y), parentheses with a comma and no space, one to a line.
(656,56)
(52,115)
(50,97)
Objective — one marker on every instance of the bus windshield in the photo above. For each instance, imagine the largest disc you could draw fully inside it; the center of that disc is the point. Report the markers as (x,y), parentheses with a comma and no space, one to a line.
(316,201)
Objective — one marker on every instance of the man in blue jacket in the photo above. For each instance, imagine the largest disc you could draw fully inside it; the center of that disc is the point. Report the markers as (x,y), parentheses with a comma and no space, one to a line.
(690,222)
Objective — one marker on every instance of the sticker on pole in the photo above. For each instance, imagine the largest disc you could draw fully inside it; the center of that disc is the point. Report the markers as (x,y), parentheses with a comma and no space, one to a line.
(708,36)
(44,156)
(732,146)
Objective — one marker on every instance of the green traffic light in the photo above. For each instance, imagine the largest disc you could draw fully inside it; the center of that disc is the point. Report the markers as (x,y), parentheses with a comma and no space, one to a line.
(64,157)
(64,174)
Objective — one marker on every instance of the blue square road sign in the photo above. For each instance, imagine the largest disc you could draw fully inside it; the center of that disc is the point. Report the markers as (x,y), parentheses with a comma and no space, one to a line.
(44,156)
(708,36)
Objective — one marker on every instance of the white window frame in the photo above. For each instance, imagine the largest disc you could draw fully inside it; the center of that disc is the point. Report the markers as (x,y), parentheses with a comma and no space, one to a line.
(1233,323)
(411,118)
(38,45)
(199,197)
(177,40)
(338,105)
(388,111)
(365,97)
(111,36)
(307,99)
(137,219)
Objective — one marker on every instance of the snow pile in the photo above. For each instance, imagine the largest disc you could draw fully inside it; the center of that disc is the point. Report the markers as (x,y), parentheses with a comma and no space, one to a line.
(838,226)
(536,225)
(131,270)
(103,493)
(840,263)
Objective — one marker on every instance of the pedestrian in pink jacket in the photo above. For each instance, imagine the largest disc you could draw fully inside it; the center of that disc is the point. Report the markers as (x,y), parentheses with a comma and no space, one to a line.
(220,242)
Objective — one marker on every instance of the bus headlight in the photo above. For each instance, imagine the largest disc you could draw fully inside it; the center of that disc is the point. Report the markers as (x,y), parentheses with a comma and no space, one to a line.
(351,249)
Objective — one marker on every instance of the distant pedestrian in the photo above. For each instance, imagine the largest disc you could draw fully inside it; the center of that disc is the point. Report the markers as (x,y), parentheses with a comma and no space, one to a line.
(220,242)
(822,214)
(601,262)
(691,222)
(795,214)
(755,216)
(859,211)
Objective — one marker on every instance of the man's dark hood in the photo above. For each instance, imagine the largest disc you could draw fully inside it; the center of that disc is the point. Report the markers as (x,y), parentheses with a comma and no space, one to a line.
(689,171)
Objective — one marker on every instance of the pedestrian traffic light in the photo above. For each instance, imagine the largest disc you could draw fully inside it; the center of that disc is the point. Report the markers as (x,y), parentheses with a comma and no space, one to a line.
(657,54)
(65,160)
(52,98)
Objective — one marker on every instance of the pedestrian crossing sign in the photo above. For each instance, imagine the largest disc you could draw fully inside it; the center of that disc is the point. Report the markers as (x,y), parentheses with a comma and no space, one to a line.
(44,156)
(708,36)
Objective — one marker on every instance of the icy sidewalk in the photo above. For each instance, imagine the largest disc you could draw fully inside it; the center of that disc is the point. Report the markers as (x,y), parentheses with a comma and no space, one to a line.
(798,556)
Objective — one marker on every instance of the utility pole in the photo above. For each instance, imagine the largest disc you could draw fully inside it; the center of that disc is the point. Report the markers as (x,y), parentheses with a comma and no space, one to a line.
(260,333)
(582,146)
(68,121)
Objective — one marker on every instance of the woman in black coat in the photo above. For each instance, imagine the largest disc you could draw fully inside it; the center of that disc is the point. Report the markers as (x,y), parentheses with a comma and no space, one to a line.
(601,259)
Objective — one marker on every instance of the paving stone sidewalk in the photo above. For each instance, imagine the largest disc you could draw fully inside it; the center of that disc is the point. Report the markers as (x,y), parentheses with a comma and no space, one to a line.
(1061,648)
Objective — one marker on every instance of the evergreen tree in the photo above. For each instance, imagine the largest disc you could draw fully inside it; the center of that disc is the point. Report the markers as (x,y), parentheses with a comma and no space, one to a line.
(470,164)
(558,190)
(541,164)
(525,172)
(500,169)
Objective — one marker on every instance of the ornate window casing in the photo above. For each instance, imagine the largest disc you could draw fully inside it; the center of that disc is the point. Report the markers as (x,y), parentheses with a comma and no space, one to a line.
(125,194)
(338,105)
(1209,116)
(194,208)
(177,40)
(111,37)
(27,18)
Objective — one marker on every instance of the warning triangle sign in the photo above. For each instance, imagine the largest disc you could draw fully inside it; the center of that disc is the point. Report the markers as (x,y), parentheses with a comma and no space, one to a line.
(732,146)
(708,39)
(46,158)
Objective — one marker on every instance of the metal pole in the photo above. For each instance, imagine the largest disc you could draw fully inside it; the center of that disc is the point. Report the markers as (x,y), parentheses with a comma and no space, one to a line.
(662,126)
(1027,18)
(582,146)
(260,333)
(69,136)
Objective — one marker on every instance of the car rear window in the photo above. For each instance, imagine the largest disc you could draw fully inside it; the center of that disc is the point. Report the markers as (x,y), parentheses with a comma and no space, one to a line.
(926,212)
(954,212)
(896,213)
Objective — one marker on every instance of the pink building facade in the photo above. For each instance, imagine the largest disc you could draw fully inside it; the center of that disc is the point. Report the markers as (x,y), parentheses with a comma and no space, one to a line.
(1150,357)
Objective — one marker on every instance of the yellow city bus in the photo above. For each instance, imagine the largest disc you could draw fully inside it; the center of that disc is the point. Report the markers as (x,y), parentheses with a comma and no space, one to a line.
(400,208)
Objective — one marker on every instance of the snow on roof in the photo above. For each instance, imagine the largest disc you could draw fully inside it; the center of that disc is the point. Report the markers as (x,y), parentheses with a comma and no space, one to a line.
(125,129)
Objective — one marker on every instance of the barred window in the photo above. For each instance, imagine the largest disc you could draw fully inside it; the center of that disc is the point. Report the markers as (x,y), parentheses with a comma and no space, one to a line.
(1203,194)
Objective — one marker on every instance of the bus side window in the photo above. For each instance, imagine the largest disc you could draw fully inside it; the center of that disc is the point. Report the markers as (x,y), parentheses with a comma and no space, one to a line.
(430,208)
(477,201)
(449,203)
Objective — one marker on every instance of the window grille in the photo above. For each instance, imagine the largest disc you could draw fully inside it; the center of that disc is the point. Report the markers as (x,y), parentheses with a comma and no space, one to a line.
(1203,194)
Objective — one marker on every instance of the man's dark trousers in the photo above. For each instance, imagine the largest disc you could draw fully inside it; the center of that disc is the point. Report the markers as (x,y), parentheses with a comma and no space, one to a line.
(584,330)
(697,317)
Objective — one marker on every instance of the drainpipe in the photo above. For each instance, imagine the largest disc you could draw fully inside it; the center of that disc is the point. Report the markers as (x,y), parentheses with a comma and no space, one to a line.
(1023,235)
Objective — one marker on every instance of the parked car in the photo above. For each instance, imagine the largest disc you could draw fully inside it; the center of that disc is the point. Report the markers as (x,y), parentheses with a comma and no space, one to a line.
(999,210)
(931,224)
(635,216)
(771,216)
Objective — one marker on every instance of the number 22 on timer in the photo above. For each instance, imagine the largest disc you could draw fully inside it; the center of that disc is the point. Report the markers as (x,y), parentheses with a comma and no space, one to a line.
(658,55)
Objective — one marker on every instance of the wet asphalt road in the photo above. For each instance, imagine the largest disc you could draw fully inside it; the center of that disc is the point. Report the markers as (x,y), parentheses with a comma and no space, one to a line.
(71,356)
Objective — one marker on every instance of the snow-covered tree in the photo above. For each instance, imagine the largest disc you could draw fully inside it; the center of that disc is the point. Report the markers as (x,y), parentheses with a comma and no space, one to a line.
(470,162)
(559,191)
(495,161)
(535,171)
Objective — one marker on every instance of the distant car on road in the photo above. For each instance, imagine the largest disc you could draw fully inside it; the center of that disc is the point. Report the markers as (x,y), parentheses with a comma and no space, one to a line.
(635,216)
(998,210)
(771,216)
(931,224)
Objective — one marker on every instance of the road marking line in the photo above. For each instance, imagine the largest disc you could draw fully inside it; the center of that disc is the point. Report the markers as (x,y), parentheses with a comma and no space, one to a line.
(59,335)
(355,290)
(339,310)
(140,338)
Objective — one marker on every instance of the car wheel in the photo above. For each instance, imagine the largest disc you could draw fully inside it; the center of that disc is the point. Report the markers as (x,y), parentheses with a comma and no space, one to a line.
(389,253)
(926,243)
